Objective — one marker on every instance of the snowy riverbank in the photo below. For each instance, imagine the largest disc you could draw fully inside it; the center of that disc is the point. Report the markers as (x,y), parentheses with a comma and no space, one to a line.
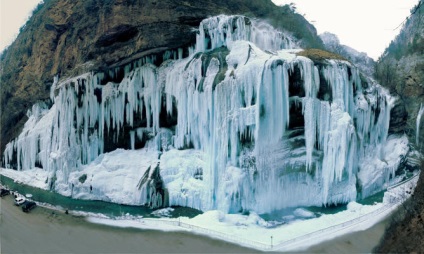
(305,228)
(254,232)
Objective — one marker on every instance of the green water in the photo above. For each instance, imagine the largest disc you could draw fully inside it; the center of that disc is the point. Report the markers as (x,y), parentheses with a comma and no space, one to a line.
(93,206)
(113,209)
(279,215)
(376,198)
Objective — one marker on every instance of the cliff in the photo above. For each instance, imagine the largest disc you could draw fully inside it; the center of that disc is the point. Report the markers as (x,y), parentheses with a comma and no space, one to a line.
(401,69)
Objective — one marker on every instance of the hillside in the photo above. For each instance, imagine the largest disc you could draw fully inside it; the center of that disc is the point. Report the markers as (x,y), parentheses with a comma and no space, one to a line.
(401,68)
(66,38)
(361,60)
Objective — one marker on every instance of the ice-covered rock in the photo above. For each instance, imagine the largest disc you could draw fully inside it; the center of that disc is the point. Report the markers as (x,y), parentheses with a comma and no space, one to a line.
(301,212)
(239,125)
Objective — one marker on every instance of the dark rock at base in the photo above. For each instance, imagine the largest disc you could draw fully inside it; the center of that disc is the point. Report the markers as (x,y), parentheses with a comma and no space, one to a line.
(154,188)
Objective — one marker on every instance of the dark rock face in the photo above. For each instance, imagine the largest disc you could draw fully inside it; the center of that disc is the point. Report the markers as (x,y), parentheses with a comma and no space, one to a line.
(71,37)
(121,33)
(152,184)
(398,118)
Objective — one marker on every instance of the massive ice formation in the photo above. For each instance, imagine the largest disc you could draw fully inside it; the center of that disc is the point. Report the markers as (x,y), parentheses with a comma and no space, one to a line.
(224,30)
(240,124)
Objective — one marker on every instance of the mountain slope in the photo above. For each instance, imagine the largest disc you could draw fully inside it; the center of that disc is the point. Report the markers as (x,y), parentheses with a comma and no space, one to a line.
(360,60)
(401,69)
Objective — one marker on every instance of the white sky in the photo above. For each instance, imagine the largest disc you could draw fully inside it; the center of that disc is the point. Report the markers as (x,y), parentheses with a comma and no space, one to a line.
(366,25)
(13,15)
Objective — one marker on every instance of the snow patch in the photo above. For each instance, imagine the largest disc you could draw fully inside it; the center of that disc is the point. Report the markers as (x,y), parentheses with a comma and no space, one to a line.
(301,212)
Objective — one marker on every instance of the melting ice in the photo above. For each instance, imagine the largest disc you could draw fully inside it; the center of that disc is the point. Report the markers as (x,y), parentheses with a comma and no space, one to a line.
(241,124)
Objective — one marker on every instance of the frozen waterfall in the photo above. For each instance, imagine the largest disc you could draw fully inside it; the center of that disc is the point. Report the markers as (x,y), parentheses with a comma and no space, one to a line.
(243,123)
(223,30)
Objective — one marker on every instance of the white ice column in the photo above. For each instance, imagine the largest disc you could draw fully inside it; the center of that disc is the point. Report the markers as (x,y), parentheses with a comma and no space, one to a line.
(420,114)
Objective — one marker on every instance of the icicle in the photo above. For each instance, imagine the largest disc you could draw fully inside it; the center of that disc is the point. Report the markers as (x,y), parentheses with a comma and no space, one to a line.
(308,106)
(272,116)
(419,115)
(338,149)
(310,76)
(132,140)
(53,87)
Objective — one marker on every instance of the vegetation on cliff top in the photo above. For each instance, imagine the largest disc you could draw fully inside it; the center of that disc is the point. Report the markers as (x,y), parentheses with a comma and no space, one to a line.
(318,55)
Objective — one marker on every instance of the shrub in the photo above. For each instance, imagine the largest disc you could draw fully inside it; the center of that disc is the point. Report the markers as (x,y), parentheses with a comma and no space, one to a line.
(318,55)
(82,178)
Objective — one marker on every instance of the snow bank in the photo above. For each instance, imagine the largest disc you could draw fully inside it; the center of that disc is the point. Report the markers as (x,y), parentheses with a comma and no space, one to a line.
(376,173)
(254,232)
(35,177)
(112,177)
(301,212)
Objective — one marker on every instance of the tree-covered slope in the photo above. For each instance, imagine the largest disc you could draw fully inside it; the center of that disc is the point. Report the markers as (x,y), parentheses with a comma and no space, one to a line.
(401,69)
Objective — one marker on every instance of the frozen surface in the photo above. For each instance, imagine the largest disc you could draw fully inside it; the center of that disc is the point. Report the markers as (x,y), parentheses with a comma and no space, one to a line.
(377,173)
(165,212)
(301,212)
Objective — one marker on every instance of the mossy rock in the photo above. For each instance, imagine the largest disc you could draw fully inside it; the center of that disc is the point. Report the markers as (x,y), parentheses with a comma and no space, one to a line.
(318,55)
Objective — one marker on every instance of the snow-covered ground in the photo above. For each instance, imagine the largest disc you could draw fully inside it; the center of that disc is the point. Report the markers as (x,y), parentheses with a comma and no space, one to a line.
(253,231)
(35,177)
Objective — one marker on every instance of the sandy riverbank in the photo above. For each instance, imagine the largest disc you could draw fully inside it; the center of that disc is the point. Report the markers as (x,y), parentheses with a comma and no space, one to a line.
(357,242)
(47,231)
